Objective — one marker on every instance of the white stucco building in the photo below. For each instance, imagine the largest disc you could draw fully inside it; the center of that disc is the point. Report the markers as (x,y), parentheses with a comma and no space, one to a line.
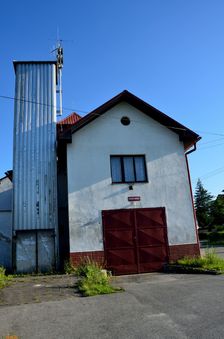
(123,179)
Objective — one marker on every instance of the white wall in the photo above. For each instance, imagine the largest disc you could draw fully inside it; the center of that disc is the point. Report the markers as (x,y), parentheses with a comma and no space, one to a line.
(89,177)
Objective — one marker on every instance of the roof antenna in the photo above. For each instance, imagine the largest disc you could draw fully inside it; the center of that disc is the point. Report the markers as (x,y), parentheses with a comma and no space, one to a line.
(59,58)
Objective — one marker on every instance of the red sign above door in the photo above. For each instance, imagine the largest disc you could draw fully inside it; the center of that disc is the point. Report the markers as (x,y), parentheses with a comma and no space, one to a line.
(136,198)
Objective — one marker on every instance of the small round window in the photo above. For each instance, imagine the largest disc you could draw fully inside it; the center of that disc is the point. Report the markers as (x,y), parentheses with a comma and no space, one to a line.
(125,121)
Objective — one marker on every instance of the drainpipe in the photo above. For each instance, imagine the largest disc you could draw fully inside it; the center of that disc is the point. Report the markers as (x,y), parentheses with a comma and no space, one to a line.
(192,199)
(192,150)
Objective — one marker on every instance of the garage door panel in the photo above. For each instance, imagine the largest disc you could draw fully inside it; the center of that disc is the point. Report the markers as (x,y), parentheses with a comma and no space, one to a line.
(121,261)
(121,257)
(118,238)
(135,240)
(26,252)
(118,219)
(151,254)
(35,251)
(151,236)
(152,217)
(124,269)
(156,266)
(45,246)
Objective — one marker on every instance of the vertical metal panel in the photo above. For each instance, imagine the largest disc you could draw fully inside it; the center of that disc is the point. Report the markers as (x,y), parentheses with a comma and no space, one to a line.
(26,252)
(34,165)
(35,251)
(45,251)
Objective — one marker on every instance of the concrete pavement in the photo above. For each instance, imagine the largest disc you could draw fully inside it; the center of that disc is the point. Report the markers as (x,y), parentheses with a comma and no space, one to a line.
(153,306)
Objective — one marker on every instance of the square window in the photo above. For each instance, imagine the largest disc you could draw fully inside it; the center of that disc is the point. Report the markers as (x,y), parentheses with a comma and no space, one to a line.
(128,168)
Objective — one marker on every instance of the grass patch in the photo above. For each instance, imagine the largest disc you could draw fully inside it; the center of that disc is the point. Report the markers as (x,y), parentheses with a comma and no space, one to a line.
(210,261)
(4,279)
(69,267)
(93,280)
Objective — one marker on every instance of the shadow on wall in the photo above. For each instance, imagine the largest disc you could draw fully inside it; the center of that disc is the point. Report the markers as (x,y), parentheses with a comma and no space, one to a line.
(6,200)
(160,166)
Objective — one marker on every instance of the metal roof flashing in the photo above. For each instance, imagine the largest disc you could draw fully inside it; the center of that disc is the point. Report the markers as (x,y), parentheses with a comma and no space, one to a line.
(16,62)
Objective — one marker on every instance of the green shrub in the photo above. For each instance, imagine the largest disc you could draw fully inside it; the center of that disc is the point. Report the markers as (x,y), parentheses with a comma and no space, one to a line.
(203,235)
(216,236)
(87,267)
(69,267)
(218,228)
(210,261)
(93,280)
(4,280)
(191,262)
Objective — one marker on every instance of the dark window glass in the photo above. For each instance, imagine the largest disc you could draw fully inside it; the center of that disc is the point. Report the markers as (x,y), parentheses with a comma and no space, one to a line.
(140,169)
(129,172)
(116,169)
(128,168)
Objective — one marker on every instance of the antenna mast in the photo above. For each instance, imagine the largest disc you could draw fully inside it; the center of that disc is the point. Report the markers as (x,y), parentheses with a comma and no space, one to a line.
(59,56)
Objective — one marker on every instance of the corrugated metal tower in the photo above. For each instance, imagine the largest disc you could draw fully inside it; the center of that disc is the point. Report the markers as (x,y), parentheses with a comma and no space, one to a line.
(35,167)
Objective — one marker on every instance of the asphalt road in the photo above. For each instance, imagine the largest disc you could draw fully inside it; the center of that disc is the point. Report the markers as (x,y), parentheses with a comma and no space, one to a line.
(153,306)
(218,250)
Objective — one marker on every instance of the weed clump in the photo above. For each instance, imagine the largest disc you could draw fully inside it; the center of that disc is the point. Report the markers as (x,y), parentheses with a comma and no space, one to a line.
(93,280)
(210,261)
(4,279)
(69,268)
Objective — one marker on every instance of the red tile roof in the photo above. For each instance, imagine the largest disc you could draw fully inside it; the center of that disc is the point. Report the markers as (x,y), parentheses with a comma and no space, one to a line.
(70,120)
(65,125)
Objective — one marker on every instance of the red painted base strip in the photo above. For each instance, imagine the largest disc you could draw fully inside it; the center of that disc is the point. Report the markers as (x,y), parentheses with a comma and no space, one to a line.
(78,257)
(180,251)
(175,252)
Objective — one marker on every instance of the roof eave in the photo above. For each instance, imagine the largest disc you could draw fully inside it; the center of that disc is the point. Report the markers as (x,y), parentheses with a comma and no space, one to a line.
(187,136)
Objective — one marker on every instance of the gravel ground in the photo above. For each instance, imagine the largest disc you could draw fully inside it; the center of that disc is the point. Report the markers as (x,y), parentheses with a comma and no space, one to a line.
(36,289)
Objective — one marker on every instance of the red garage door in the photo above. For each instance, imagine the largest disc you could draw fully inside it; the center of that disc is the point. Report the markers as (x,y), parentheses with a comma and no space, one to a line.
(135,240)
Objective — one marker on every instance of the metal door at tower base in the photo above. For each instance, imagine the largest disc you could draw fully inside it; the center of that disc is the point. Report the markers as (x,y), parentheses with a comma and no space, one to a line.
(35,251)
(135,240)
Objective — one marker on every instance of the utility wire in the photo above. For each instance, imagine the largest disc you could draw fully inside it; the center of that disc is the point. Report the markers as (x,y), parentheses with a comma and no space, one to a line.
(210,146)
(42,104)
(204,177)
(211,141)
(97,114)
(212,133)
(71,109)
(210,174)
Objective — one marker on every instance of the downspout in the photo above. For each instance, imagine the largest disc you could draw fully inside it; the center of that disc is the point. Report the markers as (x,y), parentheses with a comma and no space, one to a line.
(192,150)
(192,199)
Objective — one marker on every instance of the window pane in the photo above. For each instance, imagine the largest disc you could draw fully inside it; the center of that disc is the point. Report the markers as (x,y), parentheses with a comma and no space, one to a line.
(116,169)
(140,169)
(129,174)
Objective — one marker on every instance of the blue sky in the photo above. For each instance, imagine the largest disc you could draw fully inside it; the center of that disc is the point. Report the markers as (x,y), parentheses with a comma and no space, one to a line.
(169,53)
